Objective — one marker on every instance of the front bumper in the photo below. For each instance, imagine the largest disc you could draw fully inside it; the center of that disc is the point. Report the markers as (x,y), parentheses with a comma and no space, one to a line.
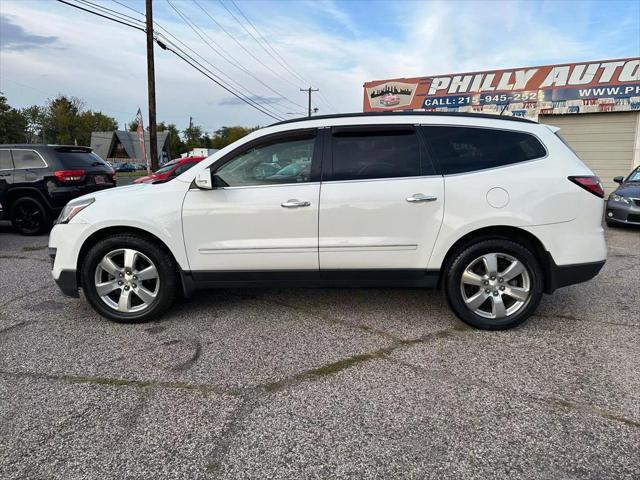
(623,213)
(68,283)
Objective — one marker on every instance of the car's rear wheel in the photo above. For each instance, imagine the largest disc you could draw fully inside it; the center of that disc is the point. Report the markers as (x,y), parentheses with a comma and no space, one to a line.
(494,284)
(30,217)
(128,278)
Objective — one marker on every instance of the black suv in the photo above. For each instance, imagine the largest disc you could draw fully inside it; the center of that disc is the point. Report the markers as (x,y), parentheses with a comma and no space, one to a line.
(37,181)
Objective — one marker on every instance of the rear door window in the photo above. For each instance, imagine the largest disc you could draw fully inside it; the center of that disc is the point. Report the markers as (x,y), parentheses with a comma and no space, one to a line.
(79,159)
(27,159)
(466,149)
(360,153)
(5,160)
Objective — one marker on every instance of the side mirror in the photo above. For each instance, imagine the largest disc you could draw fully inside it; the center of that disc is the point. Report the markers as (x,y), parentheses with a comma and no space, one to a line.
(203,180)
(618,179)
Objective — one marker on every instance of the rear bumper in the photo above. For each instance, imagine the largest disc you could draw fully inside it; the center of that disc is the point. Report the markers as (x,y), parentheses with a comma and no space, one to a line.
(565,275)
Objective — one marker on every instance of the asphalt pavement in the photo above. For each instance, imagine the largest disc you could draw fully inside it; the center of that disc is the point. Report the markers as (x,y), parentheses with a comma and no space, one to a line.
(318,383)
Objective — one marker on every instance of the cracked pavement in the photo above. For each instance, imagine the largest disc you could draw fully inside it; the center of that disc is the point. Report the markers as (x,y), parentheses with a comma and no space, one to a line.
(318,383)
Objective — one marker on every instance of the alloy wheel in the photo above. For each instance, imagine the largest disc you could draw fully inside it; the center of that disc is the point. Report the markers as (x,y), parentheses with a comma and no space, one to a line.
(28,217)
(126,280)
(495,285)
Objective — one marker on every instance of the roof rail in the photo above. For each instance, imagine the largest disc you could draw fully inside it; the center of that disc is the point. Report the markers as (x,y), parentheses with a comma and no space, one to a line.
(407,113)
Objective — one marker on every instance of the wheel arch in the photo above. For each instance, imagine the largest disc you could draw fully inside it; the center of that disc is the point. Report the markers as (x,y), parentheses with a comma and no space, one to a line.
(15,194)
(95,237)
(506,232)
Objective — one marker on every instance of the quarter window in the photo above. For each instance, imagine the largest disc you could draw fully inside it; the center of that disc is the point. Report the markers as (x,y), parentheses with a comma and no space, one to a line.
(27,159)
(284,161)
(375,154)
(465,149)
(5,160)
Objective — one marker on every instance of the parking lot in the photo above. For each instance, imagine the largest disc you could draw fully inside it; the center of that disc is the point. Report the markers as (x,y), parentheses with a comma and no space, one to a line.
(323,383)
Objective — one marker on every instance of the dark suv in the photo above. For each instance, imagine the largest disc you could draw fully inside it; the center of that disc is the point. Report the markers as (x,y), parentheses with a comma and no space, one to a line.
(37,181)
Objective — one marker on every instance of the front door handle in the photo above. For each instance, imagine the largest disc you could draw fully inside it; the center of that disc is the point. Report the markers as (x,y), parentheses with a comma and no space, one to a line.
(293,203)
(5,174)
(420,197)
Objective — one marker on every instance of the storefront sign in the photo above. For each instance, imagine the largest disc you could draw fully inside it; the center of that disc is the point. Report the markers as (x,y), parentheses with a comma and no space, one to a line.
(603,86)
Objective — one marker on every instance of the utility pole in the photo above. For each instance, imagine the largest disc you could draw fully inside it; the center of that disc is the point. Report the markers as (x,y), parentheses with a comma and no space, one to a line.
(151,89)
(309,90)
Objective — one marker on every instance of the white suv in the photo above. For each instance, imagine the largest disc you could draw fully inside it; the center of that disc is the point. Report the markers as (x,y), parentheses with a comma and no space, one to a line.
(494,210)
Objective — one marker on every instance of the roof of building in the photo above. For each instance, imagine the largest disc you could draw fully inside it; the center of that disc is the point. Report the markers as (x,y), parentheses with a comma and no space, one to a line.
(102,143)
(408,113)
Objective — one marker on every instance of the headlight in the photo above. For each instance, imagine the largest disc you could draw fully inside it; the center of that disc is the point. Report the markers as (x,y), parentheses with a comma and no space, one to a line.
(619,198)
(73,208)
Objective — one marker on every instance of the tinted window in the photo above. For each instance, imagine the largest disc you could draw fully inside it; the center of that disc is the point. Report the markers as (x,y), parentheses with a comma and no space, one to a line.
(27,159)
(80,159)
(263,165)
(5,160)
(464,149)
(375,154)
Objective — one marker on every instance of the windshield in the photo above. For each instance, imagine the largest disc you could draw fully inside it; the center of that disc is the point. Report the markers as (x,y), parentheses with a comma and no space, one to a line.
(634,176)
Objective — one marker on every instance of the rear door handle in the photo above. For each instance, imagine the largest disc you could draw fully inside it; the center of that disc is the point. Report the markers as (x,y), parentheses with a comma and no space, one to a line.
(5,174)
(293,203)
(420,197)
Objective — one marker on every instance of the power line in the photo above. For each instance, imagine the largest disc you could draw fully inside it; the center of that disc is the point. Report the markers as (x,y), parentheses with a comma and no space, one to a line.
(232,62)
(220,84)
(243,47)
(111,11)
(237,86)
(208,75)
(194,27)
(284,62)
(254,38)
(101,15)
(247,100)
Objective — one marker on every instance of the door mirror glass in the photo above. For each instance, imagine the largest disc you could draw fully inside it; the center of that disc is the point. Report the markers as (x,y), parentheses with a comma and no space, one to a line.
(618,179)
(203,180)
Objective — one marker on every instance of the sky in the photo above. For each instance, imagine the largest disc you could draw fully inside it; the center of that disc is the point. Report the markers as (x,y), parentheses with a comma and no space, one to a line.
(49,48)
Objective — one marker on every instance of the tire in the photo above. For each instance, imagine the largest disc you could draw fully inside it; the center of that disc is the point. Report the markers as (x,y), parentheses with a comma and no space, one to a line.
(144,299)
(466,296)
(30,217)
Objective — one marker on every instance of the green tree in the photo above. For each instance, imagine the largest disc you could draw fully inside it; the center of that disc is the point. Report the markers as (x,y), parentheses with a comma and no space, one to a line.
(61,123)
(176,145)
(35,118)
(193,137)
(227,135)
(12,123)
(89,121)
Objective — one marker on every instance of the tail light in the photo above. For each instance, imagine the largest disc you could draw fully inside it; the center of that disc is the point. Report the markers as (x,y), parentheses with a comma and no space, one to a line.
(590,184)
(69,175)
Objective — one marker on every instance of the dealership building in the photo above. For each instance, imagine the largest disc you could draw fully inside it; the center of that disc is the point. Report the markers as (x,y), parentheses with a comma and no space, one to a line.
(595,104)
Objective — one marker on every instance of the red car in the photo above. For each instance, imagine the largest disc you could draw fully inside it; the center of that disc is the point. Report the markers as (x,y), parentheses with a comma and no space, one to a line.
(170,170)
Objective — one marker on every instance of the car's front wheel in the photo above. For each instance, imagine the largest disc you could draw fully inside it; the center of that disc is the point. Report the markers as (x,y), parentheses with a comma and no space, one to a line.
(128,278)
(494,284)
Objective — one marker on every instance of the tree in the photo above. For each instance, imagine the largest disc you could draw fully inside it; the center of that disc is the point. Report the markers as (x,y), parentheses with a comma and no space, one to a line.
(176,145)
(35,118)
(61,123)
(227,135)
(193,137)
(12,123)
(89,121)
